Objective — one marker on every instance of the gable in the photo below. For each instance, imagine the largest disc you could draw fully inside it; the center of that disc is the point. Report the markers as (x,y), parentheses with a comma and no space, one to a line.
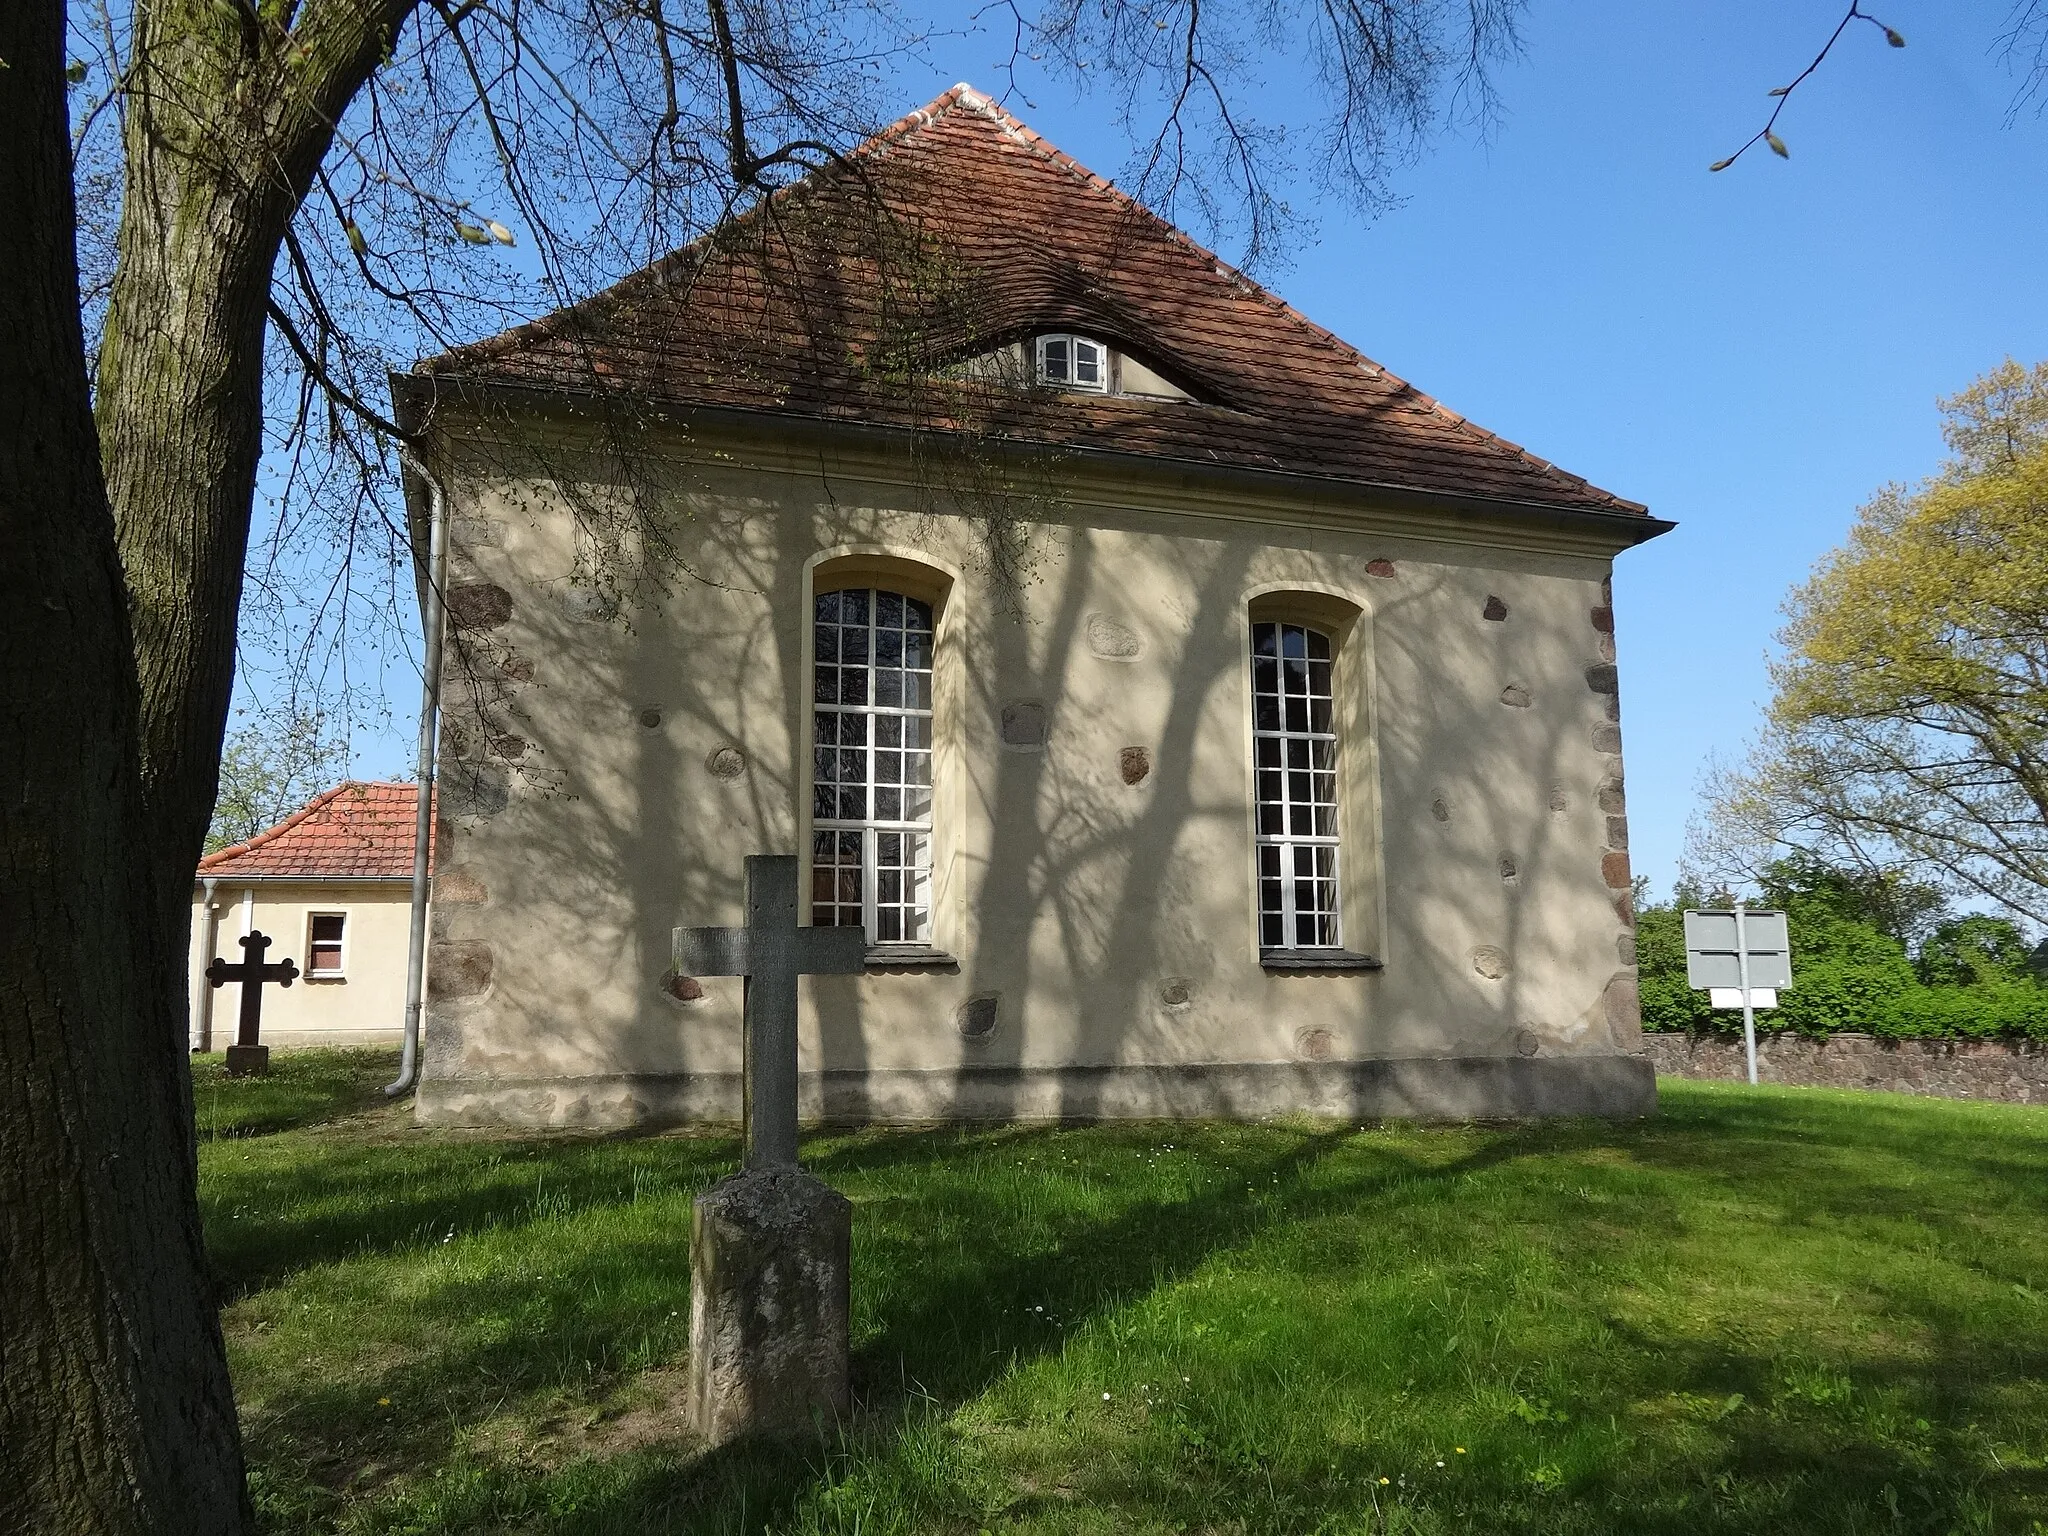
(890,297)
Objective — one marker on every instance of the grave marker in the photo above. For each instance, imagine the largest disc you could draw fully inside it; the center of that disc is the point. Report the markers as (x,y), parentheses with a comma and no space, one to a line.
(246,1057)
(769,1246)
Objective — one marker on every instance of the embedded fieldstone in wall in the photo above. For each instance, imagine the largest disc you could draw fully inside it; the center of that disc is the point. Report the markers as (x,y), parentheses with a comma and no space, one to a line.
(1560,800)
(1024,726)
(1176,993)
(587,604)
(1112,639)
(1490,961)
(476,532)
(978,1016)
(1515,696)
(1379,567)
(1613,797)
(725,763)
(1623,1004)
(1315,1044)
(1510,872)
(1606,737)
(1617,831)
(1625,948)
(1527,1042)
(479,605)
(678,988)
(651,718)
(1495,609)
(458,886)
(459,968)
(1133,764)
(1603,678)
(476,789)
(1614,870)
(1440,808)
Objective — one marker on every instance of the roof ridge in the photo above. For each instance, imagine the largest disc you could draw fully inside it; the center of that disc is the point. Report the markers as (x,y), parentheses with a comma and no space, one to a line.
(966,95)
(585,335)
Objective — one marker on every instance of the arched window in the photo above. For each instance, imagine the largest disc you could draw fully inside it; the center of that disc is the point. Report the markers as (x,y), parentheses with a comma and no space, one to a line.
(1294,732)
(871,777)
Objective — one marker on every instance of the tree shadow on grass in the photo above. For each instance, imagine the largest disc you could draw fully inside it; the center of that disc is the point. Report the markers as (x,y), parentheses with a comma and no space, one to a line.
(270,1218)
(302,1088)
(947,1285)
(951,1318)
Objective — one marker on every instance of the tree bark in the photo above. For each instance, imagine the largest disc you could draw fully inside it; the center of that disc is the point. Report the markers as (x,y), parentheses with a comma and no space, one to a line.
(116,1413)
(228,116)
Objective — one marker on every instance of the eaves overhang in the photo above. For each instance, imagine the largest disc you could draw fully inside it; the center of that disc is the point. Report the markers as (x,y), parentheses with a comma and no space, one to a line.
(415,397)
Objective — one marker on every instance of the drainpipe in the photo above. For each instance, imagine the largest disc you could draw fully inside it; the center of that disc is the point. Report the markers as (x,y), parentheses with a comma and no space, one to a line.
(209,938)
(423,820)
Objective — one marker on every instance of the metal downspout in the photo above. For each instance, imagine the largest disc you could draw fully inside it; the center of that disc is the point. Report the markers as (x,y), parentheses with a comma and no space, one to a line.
(423,820)
(209,943)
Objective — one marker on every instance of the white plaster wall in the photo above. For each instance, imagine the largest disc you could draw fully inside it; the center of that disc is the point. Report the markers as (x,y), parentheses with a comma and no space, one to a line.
(1089,907)
(364,1006)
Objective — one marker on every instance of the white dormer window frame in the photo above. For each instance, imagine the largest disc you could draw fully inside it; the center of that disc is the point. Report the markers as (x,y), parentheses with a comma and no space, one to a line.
(1067,361)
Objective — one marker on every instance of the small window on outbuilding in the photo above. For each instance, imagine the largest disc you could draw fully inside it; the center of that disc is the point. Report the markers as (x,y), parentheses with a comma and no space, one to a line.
(1073,362)
(325,931)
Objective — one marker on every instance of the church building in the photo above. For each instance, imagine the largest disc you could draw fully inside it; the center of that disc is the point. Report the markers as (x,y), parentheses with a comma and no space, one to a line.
(1198,719)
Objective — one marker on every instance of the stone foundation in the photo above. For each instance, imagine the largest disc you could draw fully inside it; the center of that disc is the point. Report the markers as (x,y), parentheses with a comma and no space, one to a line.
(1462,1088)
(2010,1072)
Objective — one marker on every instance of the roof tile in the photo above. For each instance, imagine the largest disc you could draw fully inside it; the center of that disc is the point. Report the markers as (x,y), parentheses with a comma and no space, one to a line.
(353,831)
(790,310)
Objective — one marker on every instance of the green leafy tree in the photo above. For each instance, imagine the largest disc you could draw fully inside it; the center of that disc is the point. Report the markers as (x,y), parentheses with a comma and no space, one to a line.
(1909,727)
(269,769)
(1973,951)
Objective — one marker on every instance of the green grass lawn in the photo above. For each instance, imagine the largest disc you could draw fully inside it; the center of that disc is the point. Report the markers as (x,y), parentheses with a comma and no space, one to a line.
(1769,1310)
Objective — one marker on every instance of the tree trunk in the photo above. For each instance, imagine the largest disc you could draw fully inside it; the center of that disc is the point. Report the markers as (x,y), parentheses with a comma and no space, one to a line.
(228,117)
(116,1412)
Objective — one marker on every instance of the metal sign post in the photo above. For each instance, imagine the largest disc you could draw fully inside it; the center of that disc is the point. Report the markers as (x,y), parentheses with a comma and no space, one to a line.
(1748,1006)
(1740,958)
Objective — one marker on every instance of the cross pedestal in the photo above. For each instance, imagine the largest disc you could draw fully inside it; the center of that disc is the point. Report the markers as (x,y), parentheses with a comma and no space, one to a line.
(247,1057)
(769,1246)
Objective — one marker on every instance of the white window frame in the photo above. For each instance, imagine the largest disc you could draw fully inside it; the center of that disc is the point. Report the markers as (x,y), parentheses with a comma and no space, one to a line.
(1289,746)
(870,828)
(1071,344)
(340,972)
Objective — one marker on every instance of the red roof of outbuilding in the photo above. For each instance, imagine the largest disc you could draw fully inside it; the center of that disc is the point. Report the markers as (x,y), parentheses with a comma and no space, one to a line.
(354,831)
(790,311)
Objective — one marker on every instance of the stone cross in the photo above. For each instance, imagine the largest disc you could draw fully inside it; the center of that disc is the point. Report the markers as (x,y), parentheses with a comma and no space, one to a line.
(247,1058)
(771,1246)
(771,951)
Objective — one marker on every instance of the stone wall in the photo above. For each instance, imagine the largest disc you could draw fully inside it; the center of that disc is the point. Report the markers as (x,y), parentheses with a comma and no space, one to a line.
(2011,1072)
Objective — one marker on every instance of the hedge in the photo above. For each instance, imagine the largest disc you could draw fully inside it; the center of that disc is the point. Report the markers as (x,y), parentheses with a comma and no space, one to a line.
(1847,976)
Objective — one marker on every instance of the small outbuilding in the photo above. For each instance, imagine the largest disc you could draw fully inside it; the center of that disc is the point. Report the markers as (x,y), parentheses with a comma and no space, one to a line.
(1198,718)
(331,885)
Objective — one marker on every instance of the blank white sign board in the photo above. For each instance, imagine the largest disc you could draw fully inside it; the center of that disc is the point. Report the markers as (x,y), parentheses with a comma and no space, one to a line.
(1710,958)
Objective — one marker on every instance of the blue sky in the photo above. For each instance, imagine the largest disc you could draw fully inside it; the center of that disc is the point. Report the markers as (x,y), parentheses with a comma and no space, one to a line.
(1751,353)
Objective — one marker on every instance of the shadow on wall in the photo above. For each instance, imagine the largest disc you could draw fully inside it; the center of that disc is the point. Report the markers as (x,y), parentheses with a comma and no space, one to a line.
(606,748)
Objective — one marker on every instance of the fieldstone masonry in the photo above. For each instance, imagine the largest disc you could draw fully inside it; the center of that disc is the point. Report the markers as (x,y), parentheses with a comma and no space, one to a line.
(2008,1072)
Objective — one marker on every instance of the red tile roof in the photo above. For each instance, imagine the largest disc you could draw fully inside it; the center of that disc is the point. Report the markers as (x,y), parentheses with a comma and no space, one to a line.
(790,311)
(353,831)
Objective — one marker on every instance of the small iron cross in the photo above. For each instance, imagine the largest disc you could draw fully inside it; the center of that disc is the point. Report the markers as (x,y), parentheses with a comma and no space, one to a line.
(771,951)
(252,973)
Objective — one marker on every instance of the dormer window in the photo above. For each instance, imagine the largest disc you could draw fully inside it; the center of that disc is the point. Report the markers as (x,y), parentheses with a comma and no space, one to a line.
(1073,362)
